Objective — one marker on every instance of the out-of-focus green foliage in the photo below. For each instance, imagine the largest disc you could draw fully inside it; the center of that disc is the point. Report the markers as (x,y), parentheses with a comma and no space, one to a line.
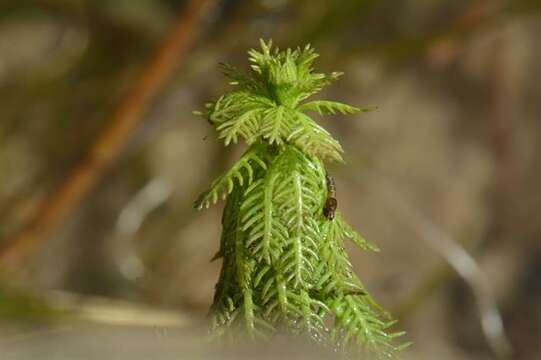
(18,305)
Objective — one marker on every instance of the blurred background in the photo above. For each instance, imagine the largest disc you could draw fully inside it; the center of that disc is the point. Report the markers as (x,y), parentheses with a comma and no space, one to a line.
(102,254)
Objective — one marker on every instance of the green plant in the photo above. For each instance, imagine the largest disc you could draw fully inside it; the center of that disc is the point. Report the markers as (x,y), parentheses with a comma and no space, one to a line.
(284,264)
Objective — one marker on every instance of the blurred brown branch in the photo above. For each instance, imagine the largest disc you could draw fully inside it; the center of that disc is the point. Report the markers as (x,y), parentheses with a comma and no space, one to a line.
(53,209)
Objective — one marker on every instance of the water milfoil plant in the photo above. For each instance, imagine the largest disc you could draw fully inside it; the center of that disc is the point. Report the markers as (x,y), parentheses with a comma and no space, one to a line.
(285,269)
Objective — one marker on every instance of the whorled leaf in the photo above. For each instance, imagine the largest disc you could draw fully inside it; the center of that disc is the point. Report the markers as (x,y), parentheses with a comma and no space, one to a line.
(359,330)
(241,173)
(314,140)
(326,107)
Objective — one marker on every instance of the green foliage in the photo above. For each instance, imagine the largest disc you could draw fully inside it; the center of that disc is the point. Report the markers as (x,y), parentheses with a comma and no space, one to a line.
(19,305)
(242,171)
(268,103)
(285,268)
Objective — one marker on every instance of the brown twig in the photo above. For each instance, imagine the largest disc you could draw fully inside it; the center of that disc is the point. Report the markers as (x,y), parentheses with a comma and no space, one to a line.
(128,115)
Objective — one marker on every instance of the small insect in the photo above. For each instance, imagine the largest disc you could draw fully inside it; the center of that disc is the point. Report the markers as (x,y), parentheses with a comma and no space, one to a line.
(331,204)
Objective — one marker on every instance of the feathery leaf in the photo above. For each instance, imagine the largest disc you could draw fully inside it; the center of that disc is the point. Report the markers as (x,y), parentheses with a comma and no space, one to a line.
(242,172)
